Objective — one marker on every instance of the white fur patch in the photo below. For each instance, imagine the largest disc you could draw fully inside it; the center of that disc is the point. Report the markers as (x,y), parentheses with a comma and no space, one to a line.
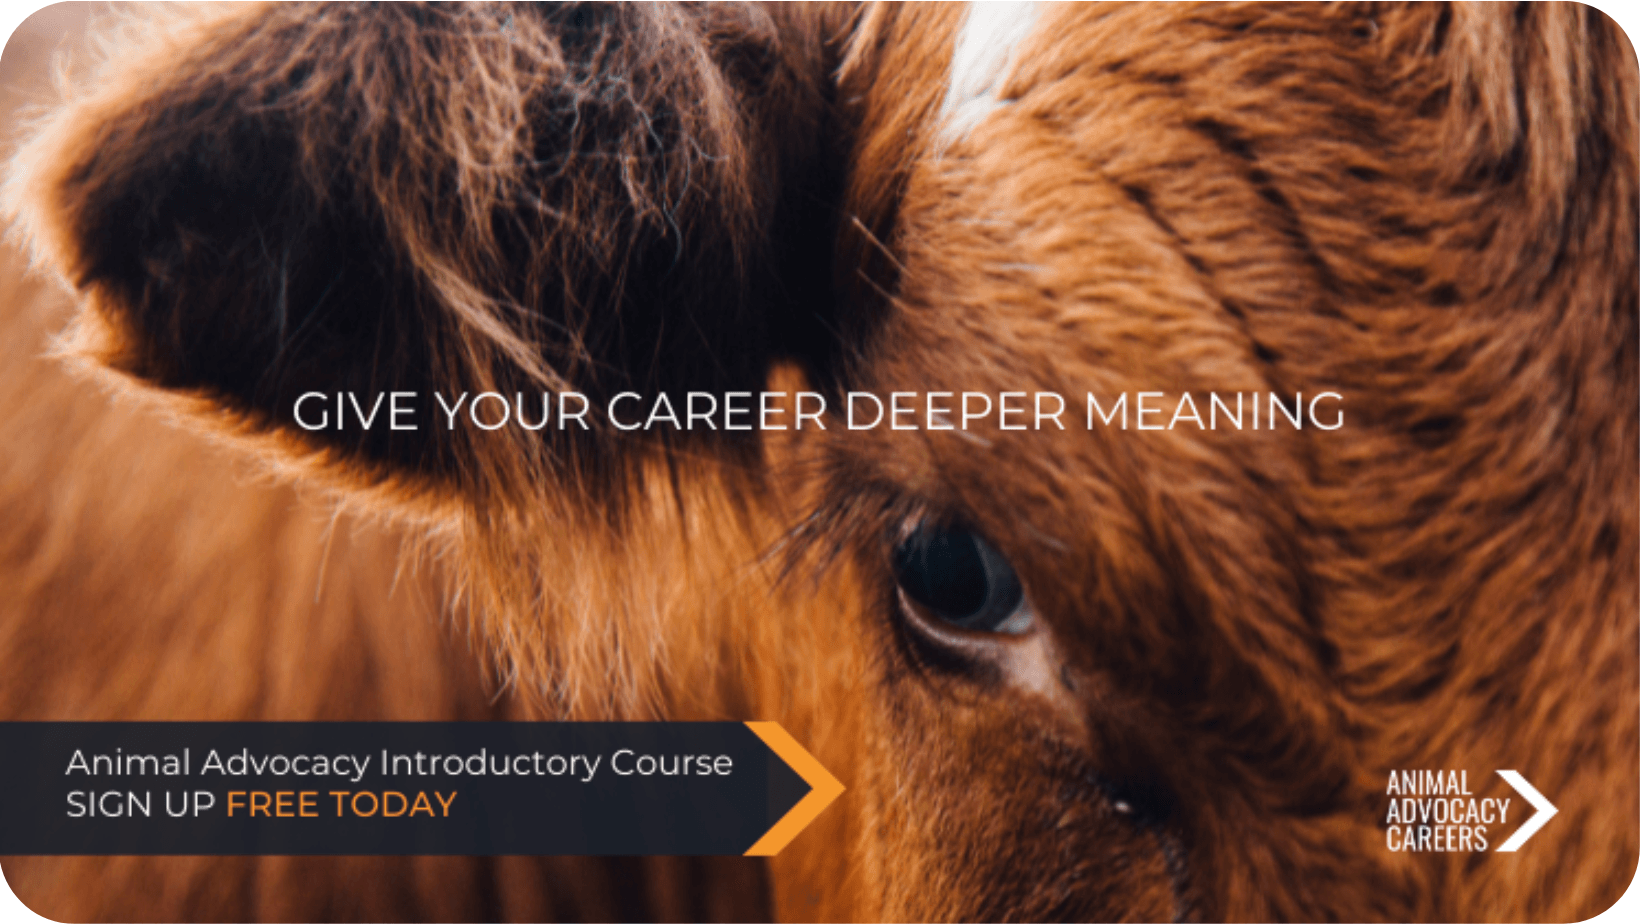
(986,51)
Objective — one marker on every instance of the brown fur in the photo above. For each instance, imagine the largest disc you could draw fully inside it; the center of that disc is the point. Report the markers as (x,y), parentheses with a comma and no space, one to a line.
(1430,209)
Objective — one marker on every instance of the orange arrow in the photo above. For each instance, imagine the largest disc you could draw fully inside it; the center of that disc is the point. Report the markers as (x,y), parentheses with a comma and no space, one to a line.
(823,788)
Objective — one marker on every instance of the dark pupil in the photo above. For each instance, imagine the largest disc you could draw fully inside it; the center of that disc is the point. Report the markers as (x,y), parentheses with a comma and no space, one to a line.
(957,576)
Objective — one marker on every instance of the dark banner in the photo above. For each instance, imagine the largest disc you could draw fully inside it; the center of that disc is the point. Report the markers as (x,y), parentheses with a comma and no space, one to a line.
(471,788)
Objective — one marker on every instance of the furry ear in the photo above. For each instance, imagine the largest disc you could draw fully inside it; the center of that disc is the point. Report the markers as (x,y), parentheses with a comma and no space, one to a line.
(297,198)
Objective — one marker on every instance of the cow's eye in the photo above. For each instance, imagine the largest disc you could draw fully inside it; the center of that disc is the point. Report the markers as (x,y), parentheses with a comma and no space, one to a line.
(958,577)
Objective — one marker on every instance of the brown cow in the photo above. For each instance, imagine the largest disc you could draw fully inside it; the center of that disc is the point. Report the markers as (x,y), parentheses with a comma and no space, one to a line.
(1095,672)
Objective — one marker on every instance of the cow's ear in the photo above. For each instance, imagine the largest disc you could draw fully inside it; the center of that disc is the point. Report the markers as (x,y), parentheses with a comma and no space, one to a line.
(270,202)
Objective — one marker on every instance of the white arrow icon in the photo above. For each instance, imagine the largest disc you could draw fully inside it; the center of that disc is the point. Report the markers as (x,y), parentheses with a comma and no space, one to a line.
(1545,811)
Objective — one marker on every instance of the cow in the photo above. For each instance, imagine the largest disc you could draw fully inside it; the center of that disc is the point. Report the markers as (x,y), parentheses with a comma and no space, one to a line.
(1067,669)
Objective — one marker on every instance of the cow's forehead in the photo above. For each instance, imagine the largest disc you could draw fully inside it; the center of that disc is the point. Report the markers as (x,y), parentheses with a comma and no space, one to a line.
(1042,247)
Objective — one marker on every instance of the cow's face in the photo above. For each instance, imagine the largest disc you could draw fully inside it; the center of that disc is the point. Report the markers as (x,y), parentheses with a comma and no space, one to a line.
(1091,672)
(1089,661)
